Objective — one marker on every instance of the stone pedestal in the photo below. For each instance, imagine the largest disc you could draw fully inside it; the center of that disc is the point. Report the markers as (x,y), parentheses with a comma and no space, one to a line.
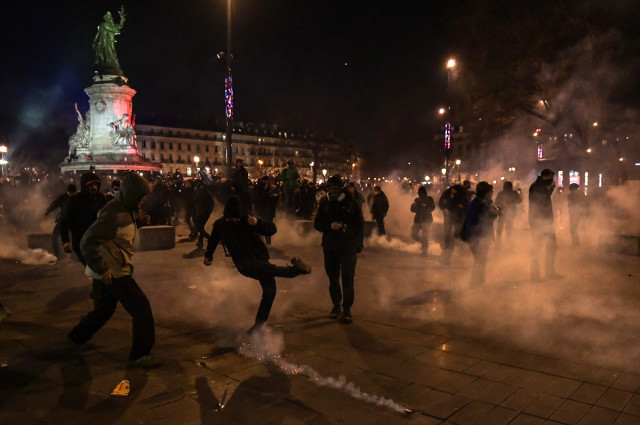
(154,238)
(110,113)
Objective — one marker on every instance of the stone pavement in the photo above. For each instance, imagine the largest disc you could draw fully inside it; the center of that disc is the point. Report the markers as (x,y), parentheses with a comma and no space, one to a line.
(561,351)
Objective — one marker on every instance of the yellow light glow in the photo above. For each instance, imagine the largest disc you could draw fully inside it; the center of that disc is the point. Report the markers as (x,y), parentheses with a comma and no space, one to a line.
(451,63)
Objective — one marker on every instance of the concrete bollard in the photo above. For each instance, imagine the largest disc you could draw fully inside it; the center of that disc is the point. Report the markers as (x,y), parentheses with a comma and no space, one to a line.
(154,238)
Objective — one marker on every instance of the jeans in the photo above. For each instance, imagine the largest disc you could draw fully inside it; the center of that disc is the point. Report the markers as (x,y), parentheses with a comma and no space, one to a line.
(105,299)
(336,263)
(265,273)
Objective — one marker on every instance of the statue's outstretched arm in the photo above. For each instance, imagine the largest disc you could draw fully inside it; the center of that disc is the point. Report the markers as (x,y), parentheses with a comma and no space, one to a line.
(122,16)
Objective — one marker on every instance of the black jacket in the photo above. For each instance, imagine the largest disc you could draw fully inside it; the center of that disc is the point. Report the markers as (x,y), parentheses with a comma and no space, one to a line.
(423,206)
(241,240)
(379,205)
(346,211)
(60,202)
(81,212)
(456,205)
(540,206)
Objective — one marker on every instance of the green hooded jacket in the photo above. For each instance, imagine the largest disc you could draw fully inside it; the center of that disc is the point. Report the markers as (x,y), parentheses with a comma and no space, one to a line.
(108,243)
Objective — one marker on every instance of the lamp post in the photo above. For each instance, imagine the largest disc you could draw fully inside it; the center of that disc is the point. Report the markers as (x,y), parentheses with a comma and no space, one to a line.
(196,159)
(451,63)
(228,94)
(324,175)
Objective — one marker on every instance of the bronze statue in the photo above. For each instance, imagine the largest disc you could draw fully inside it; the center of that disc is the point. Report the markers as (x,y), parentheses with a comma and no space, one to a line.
(105,57)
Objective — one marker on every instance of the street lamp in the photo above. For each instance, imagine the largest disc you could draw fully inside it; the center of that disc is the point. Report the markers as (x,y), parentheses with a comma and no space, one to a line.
(3,162)
(451,64)
(196,159)
(324,175)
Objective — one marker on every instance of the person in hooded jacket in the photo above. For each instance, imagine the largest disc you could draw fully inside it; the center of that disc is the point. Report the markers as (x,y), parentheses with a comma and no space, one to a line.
(453,203)
(339,218)
(240,234)
(266,201)
(478,230)
(507,200)
(422,206)
(107,247)
(379,208)
(203,207)
(60,202)
(80,213)
(542,227)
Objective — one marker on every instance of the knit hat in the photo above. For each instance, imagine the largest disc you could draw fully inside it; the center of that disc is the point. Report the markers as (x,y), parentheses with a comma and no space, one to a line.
(483,188)
(335,180)
(233,208)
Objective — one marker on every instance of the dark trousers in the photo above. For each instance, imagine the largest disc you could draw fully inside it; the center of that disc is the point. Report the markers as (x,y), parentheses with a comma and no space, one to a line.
(265,273)
(480,250)
(543,235)
(105,300)
(200,222)
(380,222)
(335,264)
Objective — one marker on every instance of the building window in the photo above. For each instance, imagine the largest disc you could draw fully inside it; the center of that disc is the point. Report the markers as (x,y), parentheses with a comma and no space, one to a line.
(216,149)
(170,146)
(170,157)
(179,158)
(144,155)
(161,157)
(197,148)
(161,145)
(153,156)
(179,146)
(188,146)
(207,148)
(144,143)
(153,144)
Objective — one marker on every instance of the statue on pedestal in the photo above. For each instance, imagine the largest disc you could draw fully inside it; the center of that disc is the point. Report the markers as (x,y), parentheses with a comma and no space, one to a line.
(80,139)
(105,57)
(123,133)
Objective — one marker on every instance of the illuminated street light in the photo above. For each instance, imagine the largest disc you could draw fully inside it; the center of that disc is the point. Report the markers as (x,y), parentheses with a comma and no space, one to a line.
(451,63)
(441,111)
(260,162)
(621,159)
(324,173)
(595,124)
(458,162)
(196,159)
(588,150)
(3,149)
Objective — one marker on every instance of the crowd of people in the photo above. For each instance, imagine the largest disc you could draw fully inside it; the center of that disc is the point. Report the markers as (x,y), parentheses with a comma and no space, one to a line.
(99,227)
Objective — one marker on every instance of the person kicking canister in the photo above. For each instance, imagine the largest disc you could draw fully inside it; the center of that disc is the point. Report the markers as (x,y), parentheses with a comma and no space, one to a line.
(240,234)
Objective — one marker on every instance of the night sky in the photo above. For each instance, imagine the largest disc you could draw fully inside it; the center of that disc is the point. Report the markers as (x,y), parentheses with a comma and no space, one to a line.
(371,72)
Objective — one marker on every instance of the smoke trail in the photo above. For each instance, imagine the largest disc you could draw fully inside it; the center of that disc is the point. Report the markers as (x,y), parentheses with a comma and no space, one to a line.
(31,257)
(271,355)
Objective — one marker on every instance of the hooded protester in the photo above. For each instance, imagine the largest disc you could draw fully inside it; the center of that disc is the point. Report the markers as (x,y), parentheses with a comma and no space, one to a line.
(80,213)
(422,206)
(240,235)
(379,208)
(60,202)
(339,218)
(107,247)
(541,222)
(266,201)
(453,203)
(478,230)
(507,200)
